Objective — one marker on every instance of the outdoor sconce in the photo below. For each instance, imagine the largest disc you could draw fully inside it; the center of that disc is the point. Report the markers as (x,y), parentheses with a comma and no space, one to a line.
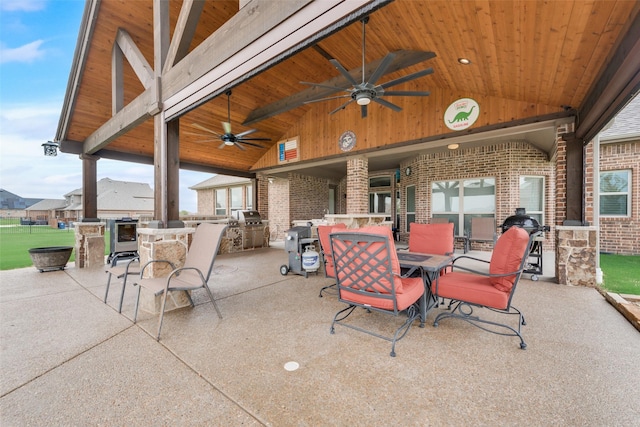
(50,148)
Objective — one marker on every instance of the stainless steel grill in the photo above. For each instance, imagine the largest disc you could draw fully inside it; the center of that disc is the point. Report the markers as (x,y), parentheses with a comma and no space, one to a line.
(250,222)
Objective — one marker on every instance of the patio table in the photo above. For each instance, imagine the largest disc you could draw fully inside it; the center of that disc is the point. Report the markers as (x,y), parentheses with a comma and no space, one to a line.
(430,267)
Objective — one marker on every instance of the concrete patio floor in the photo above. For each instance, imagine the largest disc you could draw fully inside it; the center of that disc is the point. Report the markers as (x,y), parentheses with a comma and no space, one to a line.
(69,359)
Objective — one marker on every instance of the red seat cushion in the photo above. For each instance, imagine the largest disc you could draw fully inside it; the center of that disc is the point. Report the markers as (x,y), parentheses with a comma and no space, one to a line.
(471,288)
(413,288)
(325,244)
(434,239)
(507,257)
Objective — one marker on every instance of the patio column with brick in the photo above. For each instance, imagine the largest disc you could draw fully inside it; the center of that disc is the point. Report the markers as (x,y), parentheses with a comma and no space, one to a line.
(170,244)
(576,255)
(358,186)
(89,244)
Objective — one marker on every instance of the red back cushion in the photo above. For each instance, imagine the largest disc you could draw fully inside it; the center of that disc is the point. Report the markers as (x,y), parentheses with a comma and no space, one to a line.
(434,239)
(395,264)
(507,256)
(325,244)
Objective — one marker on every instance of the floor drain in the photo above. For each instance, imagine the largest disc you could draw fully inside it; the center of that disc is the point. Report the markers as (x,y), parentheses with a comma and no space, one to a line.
(291,366)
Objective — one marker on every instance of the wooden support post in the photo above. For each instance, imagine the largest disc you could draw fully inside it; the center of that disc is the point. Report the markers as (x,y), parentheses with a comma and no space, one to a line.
(89,187)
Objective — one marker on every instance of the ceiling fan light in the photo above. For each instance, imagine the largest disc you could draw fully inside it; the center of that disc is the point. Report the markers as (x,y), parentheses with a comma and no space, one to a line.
(228,142)
(464,61)
(363,99)
(453,146)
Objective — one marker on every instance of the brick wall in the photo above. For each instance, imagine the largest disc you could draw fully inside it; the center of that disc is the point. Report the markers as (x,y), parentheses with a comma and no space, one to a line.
(309,197)
(358,186)
(505,162)
(620,235)
(205,201)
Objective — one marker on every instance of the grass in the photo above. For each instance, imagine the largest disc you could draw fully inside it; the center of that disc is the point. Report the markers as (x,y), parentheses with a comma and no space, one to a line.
(621,273)
(14,247)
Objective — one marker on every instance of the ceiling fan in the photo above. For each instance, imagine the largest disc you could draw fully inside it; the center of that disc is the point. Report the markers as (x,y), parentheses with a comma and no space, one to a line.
(228,138)
(366,91)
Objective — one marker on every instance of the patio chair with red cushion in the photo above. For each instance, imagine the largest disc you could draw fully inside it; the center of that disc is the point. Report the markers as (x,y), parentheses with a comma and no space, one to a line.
(325,250)
(368,276)
(494,291)
(434,239)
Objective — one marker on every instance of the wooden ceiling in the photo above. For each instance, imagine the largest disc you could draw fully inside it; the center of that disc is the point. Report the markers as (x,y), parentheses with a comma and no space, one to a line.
(547,54)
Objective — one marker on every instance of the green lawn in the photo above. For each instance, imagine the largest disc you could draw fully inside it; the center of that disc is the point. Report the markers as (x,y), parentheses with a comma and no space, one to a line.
(14,247)
(621,273)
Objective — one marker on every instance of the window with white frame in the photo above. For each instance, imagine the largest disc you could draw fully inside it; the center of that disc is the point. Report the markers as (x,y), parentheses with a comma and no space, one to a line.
(532,196)
(221,201)
(459,201)
(411,205)
(249,197)
(615,193)
(236,199)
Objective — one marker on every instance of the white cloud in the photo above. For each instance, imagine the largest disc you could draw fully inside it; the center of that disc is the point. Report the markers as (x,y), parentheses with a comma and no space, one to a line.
(22,5)
(25,53)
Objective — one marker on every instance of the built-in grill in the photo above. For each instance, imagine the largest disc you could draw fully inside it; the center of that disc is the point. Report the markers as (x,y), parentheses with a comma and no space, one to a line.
(250,222)
(531,225)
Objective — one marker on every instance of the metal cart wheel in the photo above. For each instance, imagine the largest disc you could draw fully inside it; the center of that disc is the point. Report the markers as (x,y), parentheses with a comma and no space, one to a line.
(284,269)
(534,277)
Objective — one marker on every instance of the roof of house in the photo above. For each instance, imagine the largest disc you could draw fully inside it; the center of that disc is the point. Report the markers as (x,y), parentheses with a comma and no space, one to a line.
(626,125)
(220,181)
(48,204)
(9,200)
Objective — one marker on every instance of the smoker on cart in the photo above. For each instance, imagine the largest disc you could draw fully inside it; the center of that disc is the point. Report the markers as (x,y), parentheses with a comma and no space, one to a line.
(531,225)
(303,258)
(123,242)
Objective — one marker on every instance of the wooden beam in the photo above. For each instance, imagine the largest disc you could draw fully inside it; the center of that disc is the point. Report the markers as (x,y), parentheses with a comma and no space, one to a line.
(404,59)
(575,179)
(89,186)
(183,33)
(617,84)
(117,79)
(136,59)
(284,29)
(130,116)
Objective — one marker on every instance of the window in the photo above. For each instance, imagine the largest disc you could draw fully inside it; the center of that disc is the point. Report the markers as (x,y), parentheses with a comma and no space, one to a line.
(380,203)
(615,193)
(236,199)
(411,205)
(532,196)
(221,201)
(249,198)
(459,201)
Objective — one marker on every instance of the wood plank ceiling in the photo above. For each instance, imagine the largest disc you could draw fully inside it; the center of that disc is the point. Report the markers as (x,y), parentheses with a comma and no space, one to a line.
(547,54)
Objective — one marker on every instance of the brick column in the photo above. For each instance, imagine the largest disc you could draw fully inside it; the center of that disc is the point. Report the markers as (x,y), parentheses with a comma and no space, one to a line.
(89,244)
(358,186)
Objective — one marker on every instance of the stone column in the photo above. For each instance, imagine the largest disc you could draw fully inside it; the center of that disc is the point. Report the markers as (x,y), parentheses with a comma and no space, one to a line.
(89,244)
(358,185)
(169,244)
(576,255)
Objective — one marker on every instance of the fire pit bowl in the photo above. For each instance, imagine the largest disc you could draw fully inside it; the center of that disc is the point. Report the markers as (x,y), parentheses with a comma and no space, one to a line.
(50,258)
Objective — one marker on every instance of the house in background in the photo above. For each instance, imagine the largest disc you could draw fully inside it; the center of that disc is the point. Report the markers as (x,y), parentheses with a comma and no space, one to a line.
(617,198)
(116,199)
(12,205)
(221,195)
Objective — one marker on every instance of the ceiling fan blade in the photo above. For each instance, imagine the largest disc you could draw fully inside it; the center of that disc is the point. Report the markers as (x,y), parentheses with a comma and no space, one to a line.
(407,78)
(382,68)
(342,106)
(197,133)
(239,146)
(244,141)
(343,71)
(246,132)
(222,145)
(204,140)
(253,139)
(404,93)
(227,127)
(326,99)
(363,111)
(388,104)
(333,88)
(202,128)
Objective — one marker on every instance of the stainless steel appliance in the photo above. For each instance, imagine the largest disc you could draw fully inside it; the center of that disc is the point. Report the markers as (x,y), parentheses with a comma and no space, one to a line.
(123,239)
(295,243)
(250,222)
(531,225)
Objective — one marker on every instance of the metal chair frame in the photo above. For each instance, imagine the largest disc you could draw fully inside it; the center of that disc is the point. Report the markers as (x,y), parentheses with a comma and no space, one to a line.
(364,269)
(132,267)
(463,309)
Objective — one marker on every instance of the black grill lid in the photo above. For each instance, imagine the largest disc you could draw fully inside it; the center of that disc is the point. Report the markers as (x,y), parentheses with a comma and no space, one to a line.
(522,220)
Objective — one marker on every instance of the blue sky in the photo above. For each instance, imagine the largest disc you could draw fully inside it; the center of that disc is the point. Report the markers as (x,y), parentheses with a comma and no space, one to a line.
(37,43)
